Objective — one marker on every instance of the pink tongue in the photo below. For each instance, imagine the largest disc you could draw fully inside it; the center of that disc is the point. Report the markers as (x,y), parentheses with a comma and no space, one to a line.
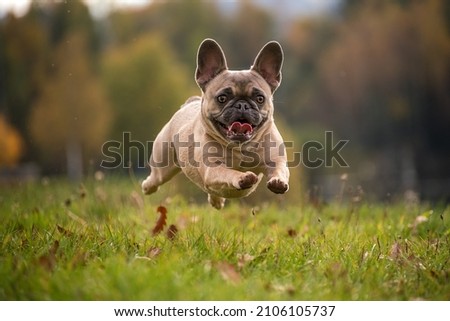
(240,128)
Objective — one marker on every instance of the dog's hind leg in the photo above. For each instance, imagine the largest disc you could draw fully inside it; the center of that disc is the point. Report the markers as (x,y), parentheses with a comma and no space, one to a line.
(157,177)
(163,166)
(216,201)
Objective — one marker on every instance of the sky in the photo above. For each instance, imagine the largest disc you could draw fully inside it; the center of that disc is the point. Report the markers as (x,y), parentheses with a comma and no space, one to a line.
(19,7)
(100,8)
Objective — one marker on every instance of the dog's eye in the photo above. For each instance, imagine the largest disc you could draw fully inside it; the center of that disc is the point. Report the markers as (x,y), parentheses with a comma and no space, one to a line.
(222,99)
(260,99)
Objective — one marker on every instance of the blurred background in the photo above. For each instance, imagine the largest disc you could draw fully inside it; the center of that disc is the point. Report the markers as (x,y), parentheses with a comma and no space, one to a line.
(76,74)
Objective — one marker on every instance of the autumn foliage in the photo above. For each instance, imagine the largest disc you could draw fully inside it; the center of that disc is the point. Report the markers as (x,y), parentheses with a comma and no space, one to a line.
(11,143)
(374,72)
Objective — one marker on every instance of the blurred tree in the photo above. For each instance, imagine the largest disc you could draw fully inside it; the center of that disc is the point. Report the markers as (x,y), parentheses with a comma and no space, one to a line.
(306,41)
(11,143)
(71,118)
(182,24)
(26,56)
(68,17)
(146,85)
(385,85)
(23,62)
(247,31)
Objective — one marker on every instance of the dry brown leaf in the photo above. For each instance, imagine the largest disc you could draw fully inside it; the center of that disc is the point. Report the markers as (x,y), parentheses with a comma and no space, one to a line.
(172,232)
(48,260)
(243,259)
(161,222)
(396,250)
(82,191)
(80,259)
(336,271)
(153,252)
(54,248)
(63,231)
(283,288)
(291,232)
(228,272)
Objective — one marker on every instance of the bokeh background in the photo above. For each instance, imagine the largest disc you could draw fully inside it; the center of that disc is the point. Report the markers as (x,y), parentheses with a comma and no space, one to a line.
(76,74)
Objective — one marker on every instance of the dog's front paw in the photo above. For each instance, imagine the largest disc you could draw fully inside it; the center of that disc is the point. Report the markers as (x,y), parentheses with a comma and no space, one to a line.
(277,185)
(247,180)
(148,187)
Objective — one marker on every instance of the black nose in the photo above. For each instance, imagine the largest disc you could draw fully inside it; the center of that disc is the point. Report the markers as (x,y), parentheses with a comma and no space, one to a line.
(242,105)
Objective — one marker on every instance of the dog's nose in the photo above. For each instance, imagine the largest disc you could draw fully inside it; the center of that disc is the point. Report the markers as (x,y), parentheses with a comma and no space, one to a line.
(242,105)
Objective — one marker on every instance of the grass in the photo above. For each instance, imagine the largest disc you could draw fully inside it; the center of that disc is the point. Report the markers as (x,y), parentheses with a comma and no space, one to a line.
(94,242)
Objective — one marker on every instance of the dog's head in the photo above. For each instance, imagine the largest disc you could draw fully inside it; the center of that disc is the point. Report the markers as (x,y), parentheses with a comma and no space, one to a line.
(236,105)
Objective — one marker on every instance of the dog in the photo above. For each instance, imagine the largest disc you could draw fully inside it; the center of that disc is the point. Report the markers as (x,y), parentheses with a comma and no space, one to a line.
(226,140)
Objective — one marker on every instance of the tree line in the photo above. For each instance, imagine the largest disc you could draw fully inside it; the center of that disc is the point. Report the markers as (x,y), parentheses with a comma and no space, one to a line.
(375,73)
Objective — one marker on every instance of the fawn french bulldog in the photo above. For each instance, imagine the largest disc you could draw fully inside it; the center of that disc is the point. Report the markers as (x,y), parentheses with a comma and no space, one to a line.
(226,140)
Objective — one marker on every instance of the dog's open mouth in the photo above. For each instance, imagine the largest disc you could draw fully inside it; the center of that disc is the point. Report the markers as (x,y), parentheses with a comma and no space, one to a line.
(238,128)
(238,131)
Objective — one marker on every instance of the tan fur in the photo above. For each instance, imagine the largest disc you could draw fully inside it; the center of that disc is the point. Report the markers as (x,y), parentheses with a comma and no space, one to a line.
(221,176)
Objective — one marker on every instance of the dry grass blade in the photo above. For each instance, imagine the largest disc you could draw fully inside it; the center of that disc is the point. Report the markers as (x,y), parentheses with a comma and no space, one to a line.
(76,218)
(137,200)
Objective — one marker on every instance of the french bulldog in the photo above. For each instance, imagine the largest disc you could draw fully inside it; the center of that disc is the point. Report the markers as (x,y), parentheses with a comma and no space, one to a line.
(226,140)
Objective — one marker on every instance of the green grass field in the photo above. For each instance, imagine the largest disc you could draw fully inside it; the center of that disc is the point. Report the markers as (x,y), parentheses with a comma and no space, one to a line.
(95,242)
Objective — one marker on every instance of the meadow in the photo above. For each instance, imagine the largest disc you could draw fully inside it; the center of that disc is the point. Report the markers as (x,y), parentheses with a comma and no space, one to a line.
(103,240)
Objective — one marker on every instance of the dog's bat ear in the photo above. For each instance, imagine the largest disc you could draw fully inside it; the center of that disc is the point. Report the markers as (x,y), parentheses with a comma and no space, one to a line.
(210,62)
(268,64)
